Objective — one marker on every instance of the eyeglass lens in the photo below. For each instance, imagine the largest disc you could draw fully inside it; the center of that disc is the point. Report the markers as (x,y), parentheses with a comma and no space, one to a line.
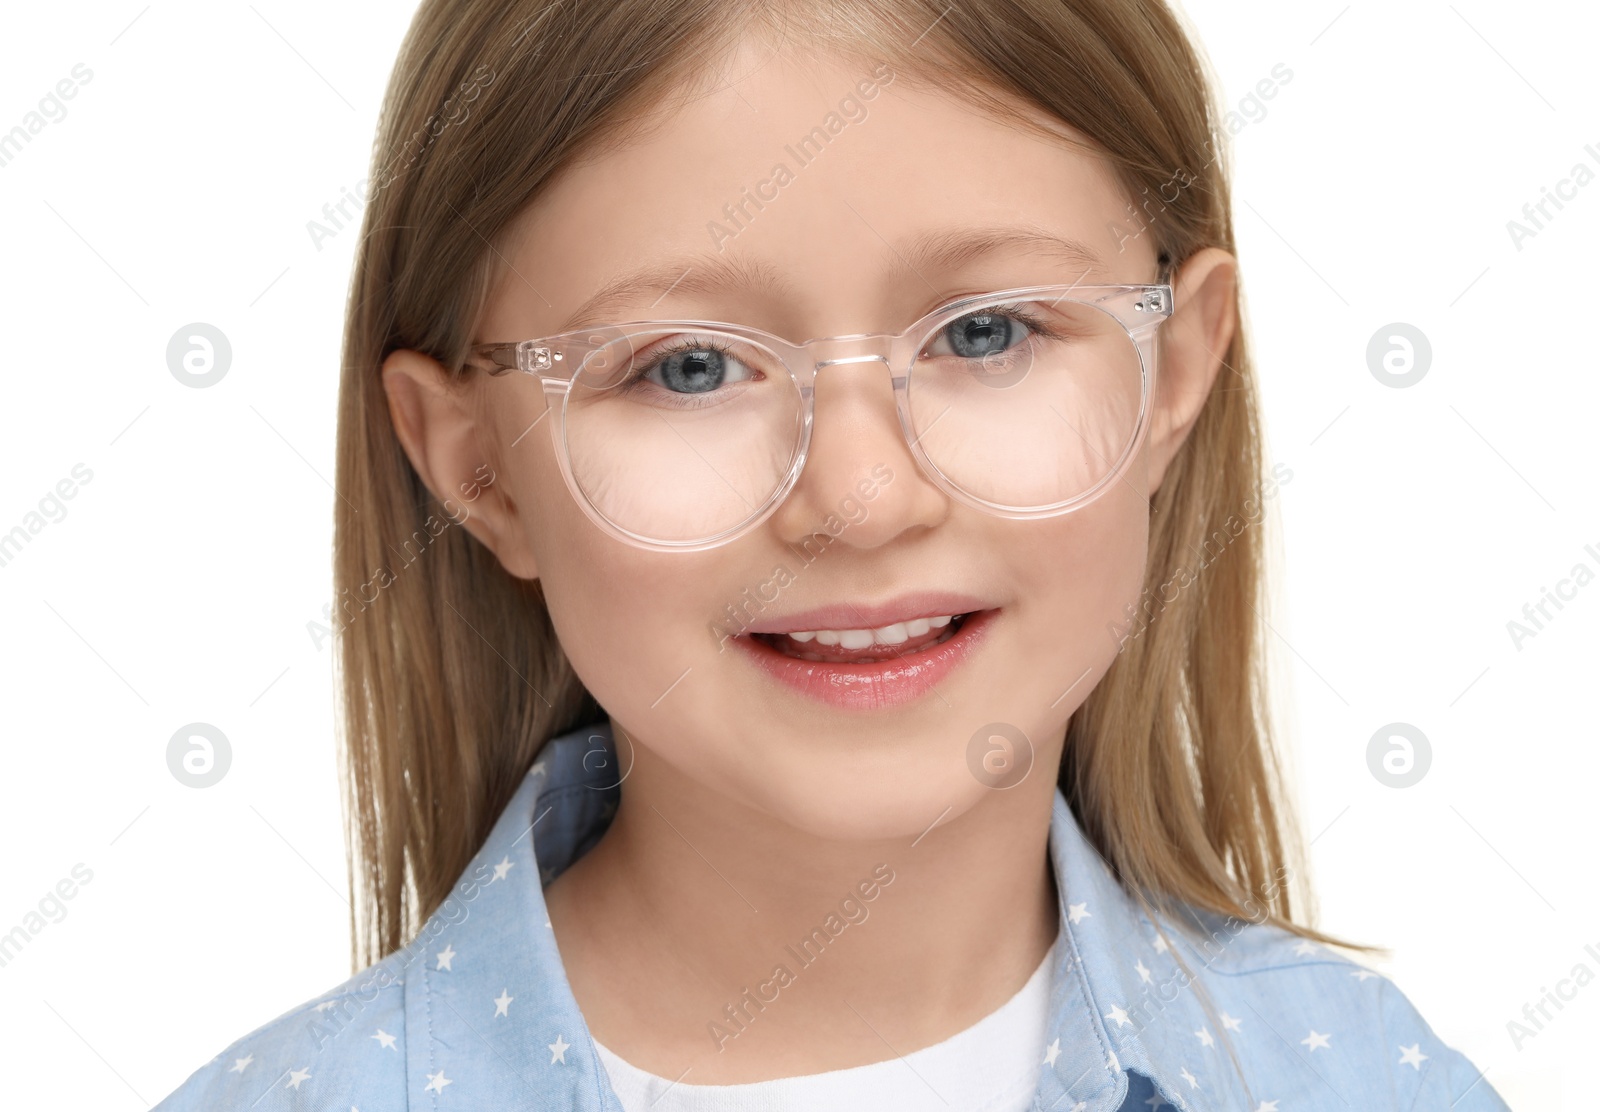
(680,437)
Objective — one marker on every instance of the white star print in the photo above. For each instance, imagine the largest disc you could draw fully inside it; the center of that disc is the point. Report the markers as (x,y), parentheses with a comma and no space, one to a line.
(325,1005)
(1263,1069)
(1080,1106)
(538,769)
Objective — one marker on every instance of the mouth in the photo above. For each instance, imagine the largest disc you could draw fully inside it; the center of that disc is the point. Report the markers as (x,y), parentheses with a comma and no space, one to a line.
(896,641)
(868,668)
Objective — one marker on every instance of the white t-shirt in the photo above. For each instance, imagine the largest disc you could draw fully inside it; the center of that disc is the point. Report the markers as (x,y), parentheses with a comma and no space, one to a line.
(992,1066)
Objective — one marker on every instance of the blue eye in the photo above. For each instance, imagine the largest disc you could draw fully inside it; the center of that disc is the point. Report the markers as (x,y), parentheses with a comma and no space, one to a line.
(989,332)
(980,334)
(692,371)
(690,367)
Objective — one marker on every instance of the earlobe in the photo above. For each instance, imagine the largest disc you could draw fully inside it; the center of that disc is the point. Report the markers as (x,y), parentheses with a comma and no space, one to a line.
(1194,345)
(433,420)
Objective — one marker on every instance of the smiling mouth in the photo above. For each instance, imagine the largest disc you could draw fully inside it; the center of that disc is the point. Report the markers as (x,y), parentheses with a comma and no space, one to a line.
(865,646)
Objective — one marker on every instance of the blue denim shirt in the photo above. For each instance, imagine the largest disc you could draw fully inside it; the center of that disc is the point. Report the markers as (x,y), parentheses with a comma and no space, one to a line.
(476,1013)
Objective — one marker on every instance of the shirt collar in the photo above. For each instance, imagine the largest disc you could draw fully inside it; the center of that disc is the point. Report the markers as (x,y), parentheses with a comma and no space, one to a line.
(484,980)
(1120,1000)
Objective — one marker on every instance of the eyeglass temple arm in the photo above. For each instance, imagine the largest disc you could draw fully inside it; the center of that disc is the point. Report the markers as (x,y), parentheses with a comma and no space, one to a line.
(500,358)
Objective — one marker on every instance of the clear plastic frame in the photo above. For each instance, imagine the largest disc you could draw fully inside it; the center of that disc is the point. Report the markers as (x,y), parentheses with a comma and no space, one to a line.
(1028,430)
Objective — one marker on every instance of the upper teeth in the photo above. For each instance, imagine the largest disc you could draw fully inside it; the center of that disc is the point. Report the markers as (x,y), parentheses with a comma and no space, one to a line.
(896,634)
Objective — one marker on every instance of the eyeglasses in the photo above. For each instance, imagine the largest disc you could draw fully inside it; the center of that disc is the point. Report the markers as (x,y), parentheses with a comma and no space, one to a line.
(684,435)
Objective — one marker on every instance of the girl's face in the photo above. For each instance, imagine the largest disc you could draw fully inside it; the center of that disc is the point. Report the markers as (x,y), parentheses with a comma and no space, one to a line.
(840,749)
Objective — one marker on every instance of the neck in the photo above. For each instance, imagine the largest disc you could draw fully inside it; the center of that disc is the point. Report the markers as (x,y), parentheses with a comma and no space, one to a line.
(703,935)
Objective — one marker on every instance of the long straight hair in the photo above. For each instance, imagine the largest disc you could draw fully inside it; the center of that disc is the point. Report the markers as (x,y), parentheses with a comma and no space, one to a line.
(452,676)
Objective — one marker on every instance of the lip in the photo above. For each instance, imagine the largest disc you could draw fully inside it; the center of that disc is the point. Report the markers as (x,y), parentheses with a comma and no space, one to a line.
(872,615)
(871,686)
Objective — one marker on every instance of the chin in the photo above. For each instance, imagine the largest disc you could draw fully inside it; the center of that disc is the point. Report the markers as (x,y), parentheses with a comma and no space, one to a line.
(884,797)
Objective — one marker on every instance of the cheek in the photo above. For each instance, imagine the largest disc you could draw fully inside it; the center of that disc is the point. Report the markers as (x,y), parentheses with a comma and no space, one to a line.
(615,609)
(629,619)
(597,589)
(1081,573)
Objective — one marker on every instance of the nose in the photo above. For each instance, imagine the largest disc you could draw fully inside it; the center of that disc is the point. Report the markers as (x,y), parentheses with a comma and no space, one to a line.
(860,486)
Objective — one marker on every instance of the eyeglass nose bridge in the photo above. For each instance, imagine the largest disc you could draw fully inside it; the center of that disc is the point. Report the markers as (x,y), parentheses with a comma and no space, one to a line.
(821,363)
(886,348)
(836,351)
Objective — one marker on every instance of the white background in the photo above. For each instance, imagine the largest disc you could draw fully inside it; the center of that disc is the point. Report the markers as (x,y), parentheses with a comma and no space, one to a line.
(178,588)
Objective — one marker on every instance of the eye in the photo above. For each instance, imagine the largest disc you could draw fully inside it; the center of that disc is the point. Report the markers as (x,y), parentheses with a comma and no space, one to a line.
(979,335)
(694,368)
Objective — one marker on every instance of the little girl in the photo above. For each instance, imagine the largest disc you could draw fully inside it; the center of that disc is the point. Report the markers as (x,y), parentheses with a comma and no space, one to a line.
(800,480)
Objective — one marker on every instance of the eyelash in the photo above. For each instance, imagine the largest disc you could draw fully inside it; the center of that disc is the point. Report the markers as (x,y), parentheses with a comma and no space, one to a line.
(1015,311)
(660,355)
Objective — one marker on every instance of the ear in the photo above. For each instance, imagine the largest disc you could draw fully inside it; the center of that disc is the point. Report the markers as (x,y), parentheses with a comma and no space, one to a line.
(1194,342)
(433,419)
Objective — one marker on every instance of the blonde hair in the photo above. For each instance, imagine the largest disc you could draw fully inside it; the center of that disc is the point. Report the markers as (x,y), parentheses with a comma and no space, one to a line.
(451,672)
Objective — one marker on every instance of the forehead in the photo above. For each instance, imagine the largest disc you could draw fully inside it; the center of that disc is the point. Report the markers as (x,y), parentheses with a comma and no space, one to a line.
(802,185)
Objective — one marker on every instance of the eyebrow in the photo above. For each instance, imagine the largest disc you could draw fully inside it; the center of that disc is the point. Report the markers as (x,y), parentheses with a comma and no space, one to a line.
(711,272)
(951,250)
(687,274)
